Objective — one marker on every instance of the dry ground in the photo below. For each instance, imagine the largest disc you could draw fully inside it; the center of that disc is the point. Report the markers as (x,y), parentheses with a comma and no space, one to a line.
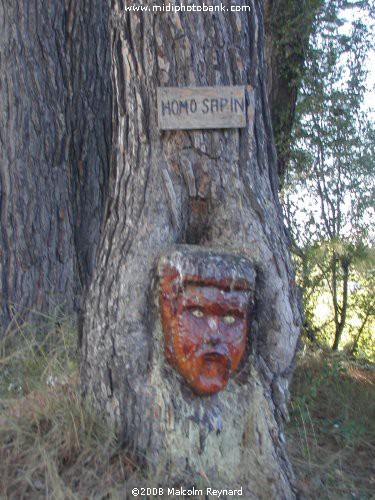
(52,446)
(332,428)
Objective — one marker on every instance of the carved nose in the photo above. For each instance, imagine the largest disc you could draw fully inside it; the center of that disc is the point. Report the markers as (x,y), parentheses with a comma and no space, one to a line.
(213,324)
(212,335)
(213,331)
(214,339)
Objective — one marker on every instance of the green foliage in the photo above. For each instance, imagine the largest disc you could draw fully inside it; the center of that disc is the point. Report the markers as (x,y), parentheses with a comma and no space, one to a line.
(362,308)
(288,25)
(329,187)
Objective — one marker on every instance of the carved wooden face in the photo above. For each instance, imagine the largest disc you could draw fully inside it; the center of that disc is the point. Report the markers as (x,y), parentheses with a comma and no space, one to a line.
(205,330)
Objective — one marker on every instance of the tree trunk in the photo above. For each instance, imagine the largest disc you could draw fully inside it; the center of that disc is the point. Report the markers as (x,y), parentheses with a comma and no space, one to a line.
(209,188)
(54,124)
(340,310)
(89,111)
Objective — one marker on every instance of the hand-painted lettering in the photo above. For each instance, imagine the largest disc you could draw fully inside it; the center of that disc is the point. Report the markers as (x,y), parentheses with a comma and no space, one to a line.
(201,107)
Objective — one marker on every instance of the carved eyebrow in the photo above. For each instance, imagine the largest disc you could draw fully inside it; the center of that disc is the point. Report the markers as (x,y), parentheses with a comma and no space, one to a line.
(197,293)
(238,286)
(239,313)
(191,301)
(225,310)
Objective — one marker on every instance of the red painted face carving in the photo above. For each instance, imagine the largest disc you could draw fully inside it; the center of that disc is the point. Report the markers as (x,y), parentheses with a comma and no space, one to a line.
(205,318)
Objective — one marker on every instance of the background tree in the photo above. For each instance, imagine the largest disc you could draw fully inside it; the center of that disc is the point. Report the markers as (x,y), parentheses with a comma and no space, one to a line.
(54,148)
(362,308)
(288,26)
(329,189)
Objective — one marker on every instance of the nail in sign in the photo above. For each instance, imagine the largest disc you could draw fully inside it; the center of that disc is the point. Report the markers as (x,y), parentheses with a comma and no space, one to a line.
(201,107)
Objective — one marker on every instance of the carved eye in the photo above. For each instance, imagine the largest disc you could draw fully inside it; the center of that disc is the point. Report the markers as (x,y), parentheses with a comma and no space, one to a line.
(229,319)
(197,313)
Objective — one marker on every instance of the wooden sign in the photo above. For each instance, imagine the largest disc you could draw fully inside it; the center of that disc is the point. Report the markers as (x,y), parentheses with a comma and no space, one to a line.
(201,107)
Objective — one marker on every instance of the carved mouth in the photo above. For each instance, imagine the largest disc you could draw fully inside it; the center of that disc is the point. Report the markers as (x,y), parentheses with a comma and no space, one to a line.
(214,356)
(214,370)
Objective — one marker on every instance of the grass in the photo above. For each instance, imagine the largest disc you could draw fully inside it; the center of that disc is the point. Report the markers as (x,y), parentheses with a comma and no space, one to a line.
(332,427)
(52,445)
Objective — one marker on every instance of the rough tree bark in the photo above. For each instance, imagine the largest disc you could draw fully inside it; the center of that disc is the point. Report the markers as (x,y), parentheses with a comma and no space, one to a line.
(208,188)
(54,128)
(48,247)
